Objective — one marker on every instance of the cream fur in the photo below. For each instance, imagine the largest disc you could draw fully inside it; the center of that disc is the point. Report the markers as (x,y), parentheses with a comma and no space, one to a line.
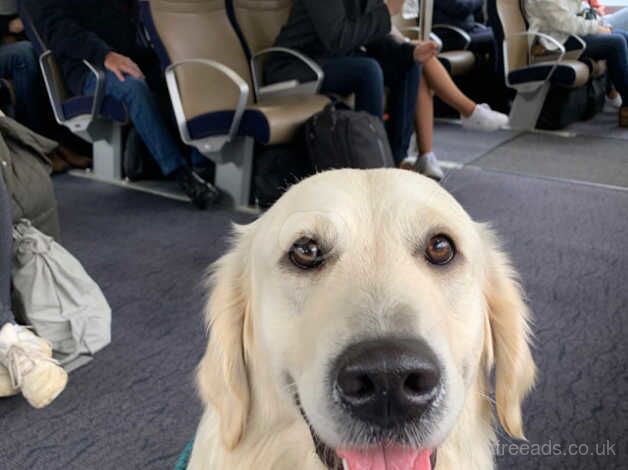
(266,320)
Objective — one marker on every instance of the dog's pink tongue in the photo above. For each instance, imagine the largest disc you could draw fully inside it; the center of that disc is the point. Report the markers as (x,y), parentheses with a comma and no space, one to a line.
(386,458)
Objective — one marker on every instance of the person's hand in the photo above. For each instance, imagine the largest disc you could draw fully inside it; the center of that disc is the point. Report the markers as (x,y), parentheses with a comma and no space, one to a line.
(604,30)
(16,26)
(394,6)
(601,10)
(121,65)
(425,50)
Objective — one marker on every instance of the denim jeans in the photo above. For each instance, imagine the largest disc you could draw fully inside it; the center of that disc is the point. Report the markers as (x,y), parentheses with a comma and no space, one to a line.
(18,63)
(614,49)
(366,77)
(6,239)
(146,116)
(619,19)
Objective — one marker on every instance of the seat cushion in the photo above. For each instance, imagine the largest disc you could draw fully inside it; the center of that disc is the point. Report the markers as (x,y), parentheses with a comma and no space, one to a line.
(78,105)
(286,114)
(275,121)
(570,73)
(253,124)
(457,62)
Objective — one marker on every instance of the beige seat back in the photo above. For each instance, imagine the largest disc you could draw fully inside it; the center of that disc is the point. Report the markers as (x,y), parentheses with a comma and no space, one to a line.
(200,29)
(260,21)
(513,22)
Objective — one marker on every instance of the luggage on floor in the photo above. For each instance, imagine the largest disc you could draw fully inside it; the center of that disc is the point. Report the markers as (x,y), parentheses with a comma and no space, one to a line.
(277,167)
(62,303)
(26,171)
(342,138)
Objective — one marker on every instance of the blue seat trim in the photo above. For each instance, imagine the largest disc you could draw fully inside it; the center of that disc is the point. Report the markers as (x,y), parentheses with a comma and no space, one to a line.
(253,124)
(78,105)
(564,75)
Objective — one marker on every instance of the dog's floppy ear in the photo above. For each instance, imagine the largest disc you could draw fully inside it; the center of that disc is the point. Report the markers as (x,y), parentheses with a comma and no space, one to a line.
(507,336)
(222,374)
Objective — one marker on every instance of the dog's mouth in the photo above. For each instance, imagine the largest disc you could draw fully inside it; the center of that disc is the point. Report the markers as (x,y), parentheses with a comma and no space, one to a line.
(382,456)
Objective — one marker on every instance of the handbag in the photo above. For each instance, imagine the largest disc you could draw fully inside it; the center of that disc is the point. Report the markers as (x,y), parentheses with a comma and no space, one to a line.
(62,303)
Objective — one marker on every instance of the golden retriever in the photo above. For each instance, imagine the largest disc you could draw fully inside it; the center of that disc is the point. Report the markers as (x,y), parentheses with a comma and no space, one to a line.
(355,325)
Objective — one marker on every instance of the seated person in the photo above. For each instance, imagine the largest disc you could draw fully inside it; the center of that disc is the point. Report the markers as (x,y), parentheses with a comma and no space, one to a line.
(461,14)
(26,363)
(617,20)
(104,32)
(561,18)
(351,40)
(20,87)
(436,80)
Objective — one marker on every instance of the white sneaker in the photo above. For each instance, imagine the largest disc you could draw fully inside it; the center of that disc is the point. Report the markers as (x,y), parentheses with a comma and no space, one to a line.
(484,118)
(613,104)
(27,363)
(426,164)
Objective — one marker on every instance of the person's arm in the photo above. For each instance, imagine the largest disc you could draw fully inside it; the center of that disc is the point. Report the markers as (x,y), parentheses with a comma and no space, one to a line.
(339,34)
(559,17)
(458,8)
(64,35)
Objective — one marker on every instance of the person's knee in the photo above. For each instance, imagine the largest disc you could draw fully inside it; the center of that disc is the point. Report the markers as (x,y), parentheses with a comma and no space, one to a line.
(371,73)
(134,88)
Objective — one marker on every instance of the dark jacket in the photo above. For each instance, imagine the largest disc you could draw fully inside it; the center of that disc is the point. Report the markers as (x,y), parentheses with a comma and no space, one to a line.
(323,29)
(85,29)
(459,13)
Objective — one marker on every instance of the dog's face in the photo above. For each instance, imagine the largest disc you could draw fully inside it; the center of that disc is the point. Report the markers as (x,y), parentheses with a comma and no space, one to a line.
(375,302)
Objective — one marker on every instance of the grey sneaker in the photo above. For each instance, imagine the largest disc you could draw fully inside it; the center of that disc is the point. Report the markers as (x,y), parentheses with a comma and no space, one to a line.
(426,164)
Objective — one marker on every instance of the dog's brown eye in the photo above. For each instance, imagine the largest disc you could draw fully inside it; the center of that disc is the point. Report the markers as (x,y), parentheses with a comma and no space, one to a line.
(306,254)
(440,250)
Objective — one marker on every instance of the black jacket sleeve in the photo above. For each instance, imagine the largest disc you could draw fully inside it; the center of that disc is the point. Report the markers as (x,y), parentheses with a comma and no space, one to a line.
(4,24)
(64,35)
(458,8)
(340,34)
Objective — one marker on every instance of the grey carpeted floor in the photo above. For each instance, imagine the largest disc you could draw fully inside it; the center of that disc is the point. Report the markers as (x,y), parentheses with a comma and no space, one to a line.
(583,158)
(134,406)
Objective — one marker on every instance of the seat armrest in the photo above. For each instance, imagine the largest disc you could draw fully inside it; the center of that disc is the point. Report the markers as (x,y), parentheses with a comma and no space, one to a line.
(290,86)
(413,33)
(560,48)
(210,144)
(574,47)
(461,32)
(54,90)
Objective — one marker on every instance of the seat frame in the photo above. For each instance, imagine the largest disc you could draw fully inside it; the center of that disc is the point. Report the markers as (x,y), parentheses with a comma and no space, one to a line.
(104,134)
(531,96)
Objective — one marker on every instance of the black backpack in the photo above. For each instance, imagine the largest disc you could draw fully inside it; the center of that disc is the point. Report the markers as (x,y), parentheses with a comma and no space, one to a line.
(341,138)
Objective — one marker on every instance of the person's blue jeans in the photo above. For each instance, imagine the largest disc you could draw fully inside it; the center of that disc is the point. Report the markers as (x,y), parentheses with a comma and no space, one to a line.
(619,19)
(146,118)
(6,240)
(366,77)
(614,49)
(18,63)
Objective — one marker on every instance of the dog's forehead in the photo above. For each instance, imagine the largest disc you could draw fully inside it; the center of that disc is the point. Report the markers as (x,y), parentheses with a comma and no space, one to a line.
(342,201)
(360,192)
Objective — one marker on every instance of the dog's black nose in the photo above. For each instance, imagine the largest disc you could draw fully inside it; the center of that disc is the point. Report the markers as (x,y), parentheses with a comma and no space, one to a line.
(387,382)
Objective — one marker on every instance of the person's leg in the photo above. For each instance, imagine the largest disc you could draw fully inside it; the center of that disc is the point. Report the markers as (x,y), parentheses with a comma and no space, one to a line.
(614,49)
(357,75)
(146,118)
(619,19)
(18,63)
(440,82)
(6,239)
(424,117)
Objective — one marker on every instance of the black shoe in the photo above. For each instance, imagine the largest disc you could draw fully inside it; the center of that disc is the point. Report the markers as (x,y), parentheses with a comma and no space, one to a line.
(200,192)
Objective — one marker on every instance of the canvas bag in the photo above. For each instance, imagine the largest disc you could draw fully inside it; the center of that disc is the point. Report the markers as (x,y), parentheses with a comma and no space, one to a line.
(62,303)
